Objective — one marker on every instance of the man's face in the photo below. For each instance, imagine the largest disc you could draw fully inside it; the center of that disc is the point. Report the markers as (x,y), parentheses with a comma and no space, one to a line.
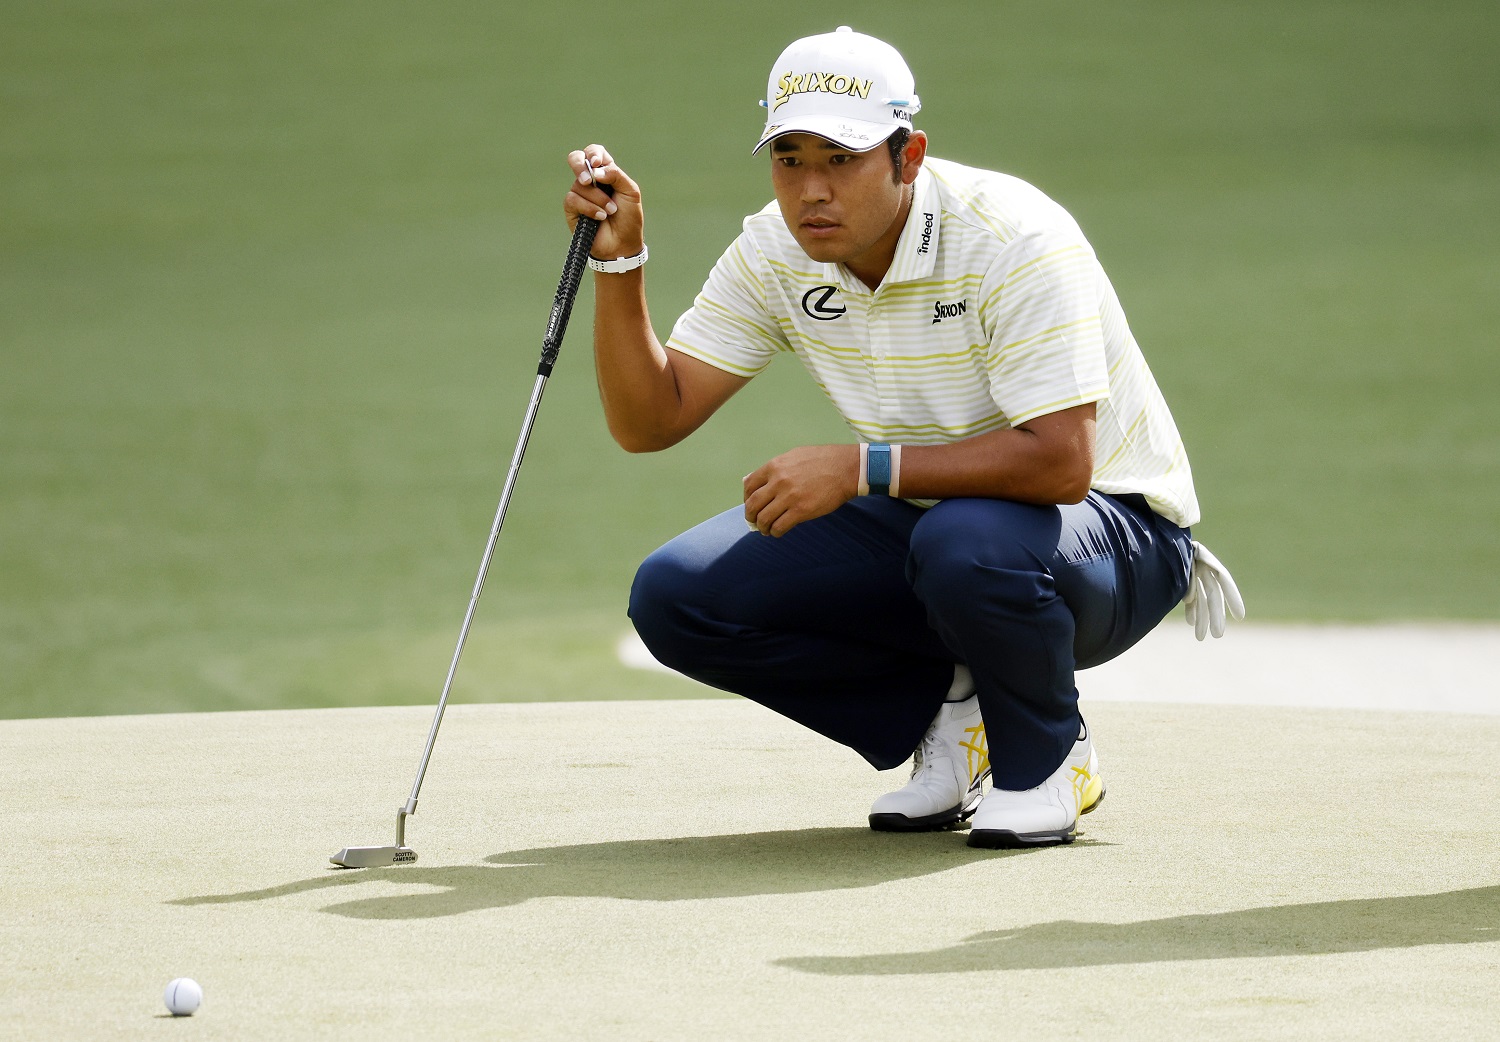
(841,206)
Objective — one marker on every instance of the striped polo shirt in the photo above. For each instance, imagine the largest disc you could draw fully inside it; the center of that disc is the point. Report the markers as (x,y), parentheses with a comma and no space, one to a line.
(995,311)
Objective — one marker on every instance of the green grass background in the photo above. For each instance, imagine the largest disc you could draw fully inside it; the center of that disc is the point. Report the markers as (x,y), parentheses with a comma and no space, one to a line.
(273,277)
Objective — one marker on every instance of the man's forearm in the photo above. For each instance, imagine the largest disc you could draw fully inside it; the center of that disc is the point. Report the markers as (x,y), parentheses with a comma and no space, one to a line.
(636,385)
(653,397)
(1048,460)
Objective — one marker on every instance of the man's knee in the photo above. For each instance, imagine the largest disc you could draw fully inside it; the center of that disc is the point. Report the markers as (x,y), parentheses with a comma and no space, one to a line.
(659,581)
(662,605)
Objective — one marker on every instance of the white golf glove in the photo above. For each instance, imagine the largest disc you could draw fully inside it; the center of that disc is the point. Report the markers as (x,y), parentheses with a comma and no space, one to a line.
(1210,588)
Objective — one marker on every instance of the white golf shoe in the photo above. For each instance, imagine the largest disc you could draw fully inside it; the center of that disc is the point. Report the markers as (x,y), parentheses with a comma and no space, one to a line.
(1046,814)
(948,769)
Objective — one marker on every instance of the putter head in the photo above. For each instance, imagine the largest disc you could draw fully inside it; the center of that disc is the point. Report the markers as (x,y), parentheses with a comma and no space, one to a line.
(373,857)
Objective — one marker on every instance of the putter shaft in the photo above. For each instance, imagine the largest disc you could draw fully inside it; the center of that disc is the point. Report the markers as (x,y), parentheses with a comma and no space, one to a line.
(410,807)
(557,325)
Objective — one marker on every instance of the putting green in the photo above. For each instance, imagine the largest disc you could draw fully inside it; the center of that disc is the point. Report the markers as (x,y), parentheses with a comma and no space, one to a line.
(697,869)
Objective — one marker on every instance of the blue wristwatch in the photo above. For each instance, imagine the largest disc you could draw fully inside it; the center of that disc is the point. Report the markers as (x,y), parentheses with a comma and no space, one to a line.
(878,469)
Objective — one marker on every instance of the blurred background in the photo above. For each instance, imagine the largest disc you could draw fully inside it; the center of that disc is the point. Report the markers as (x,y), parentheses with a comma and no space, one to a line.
(273,279)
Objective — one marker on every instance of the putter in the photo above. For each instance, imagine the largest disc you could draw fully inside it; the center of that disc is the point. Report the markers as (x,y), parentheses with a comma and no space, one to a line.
(557,325)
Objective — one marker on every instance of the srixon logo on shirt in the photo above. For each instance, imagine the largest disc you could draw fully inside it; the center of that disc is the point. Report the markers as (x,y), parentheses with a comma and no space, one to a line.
(941,311)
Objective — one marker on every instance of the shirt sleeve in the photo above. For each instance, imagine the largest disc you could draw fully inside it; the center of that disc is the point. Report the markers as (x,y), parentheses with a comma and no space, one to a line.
(729,325)
(1041,314)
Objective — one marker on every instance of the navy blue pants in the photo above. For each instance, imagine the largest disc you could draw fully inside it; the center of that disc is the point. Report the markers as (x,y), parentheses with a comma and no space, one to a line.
(850,624)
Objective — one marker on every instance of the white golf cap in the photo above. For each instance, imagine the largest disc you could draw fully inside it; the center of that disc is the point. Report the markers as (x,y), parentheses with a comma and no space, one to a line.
(845,86)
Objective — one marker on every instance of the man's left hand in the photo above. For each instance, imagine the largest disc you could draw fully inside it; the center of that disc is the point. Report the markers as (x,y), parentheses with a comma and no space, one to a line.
(800,485)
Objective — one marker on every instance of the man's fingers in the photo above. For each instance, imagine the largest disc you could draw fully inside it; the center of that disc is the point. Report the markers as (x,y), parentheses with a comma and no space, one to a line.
(581,165)
(595,156)
(770,511)
(587,197)
(755,502)
(798,486)
(784,524)
(760,501)
(598,156)
(780,516)
(590,202)
(594,180)
(768,518)
(756,479)
(593,167)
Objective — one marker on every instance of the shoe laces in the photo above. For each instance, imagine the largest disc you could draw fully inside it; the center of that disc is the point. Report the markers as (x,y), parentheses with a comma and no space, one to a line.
(927,750)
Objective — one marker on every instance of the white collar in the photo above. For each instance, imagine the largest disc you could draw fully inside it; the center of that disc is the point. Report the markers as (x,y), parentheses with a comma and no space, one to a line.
(916,249)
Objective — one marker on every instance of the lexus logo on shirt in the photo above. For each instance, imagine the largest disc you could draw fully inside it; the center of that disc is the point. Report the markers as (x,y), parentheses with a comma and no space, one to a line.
(815,303)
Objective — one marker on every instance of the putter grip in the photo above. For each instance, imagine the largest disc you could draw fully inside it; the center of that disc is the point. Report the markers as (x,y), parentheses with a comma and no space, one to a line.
(567,287)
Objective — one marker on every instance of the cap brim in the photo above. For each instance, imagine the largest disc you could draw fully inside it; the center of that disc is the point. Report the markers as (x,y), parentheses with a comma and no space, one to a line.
(857,135)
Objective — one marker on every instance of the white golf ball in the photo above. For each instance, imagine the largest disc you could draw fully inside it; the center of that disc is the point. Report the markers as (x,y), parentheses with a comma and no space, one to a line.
(183,997)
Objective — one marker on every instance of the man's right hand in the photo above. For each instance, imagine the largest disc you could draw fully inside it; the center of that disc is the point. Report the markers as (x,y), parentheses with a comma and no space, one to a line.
(620,217)
(653,397)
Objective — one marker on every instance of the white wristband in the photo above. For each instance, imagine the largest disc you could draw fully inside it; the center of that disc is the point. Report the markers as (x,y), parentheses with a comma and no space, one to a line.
(620,264)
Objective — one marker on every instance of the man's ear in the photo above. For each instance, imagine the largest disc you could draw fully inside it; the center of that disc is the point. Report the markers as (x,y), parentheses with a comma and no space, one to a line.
(912,156)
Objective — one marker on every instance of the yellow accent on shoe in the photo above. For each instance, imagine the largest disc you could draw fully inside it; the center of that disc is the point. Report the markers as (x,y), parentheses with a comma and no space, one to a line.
(1088,789)
(1081,779)
(977,747)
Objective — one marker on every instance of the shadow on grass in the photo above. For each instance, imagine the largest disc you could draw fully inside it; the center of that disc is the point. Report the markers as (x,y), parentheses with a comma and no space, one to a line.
(687,868)
(1324,928)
